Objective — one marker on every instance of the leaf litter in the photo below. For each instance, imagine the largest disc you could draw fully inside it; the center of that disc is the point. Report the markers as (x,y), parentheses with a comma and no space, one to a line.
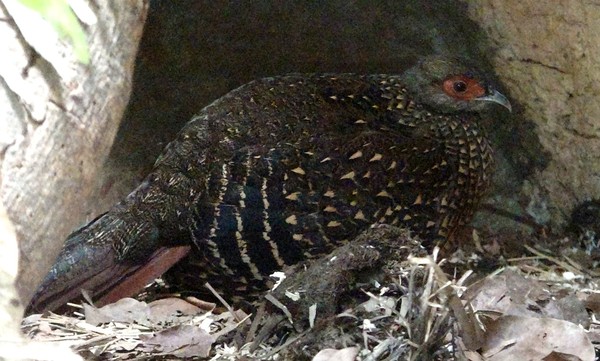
(539,305)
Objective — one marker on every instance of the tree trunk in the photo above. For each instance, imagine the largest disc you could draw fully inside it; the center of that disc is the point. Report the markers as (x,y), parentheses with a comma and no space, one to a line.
(59,121)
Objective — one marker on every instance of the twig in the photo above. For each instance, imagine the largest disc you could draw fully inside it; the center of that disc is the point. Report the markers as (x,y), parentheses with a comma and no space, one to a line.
(222,300)
(254,327)
(269,297)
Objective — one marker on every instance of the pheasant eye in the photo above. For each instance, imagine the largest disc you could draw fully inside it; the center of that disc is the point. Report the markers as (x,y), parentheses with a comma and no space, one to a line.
(459,86)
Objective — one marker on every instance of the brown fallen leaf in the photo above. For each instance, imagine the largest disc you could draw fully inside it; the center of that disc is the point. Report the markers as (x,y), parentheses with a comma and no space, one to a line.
(171,310)
(329,354)
(179,341)
(508,293)
(568,308)
(528,338)
(127,310)
(557,356)
(591,301)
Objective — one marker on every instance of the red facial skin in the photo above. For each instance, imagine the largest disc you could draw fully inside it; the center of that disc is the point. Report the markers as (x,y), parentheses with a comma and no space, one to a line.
(470,88)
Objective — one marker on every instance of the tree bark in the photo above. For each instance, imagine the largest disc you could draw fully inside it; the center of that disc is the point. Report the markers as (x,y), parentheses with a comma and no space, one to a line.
(60,118)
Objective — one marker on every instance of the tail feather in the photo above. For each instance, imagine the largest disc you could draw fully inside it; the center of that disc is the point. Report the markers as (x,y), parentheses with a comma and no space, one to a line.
(92,260)
(136,278)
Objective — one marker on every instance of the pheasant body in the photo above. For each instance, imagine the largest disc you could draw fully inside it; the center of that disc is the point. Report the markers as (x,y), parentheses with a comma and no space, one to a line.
(283,169)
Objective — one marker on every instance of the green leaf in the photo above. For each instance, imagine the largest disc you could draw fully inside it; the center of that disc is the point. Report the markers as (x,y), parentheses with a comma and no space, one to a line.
(63,20)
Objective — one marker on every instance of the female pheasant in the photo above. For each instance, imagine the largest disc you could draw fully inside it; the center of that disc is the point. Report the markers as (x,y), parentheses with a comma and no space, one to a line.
(287,168)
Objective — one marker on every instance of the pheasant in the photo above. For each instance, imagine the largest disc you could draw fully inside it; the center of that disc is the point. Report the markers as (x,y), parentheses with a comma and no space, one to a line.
(287,168)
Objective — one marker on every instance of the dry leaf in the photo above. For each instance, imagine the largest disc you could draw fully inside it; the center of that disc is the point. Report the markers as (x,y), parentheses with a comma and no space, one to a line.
(512,294)
(169,310)
(180,341)
(568,308)
(522,295)
(591,301)
(125,310)
(329,354)
(557,356)
(527,338)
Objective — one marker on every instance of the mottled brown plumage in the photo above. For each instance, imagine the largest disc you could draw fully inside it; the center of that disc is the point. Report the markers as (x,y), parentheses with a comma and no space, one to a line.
(286,168)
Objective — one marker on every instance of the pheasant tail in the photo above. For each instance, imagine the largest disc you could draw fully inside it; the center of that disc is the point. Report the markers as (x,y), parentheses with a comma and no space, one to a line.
(91,260)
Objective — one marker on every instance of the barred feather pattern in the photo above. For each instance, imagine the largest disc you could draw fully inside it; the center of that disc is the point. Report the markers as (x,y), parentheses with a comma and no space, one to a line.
(281,170)
(308,163)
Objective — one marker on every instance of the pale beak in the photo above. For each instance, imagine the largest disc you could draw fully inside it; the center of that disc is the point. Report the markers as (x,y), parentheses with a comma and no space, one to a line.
(498,98)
